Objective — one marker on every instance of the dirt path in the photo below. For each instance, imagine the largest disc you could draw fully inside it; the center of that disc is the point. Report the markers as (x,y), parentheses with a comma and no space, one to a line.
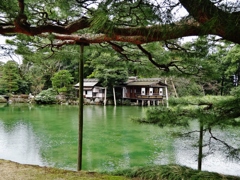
(15,171)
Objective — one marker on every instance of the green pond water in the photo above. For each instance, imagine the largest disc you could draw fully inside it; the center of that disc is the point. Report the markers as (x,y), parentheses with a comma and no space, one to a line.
(47,136)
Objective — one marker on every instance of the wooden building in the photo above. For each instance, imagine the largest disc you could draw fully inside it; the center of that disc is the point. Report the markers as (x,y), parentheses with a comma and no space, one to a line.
(145,91)
(92,89)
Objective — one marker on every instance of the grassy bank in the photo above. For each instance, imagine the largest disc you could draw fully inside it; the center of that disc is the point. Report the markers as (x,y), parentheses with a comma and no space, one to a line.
(14,171)
(172,172)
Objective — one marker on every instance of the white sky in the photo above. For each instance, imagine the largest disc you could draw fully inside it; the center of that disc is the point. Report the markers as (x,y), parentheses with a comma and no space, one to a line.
(14,57)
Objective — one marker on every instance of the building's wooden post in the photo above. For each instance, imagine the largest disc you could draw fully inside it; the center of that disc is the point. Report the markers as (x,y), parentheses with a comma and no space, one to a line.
(105,97)
(166,93)
(114,97)
(175,91)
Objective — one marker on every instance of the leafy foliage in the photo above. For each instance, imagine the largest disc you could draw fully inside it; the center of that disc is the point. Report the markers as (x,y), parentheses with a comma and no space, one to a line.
(46,97)
(62,81)
(108,69)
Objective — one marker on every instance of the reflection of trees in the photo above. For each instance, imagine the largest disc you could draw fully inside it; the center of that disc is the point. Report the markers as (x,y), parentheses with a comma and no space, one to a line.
(111,139)
(19,143)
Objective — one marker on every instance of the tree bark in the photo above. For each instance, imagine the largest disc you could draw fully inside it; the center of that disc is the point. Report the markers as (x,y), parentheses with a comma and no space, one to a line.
(200,146)
(206,19)
(80,111)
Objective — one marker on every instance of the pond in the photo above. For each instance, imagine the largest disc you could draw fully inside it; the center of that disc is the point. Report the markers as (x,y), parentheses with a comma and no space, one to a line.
(47,136)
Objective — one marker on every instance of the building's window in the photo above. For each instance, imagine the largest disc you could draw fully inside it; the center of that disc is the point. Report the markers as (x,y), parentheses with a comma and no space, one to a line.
(143,91)
(150,91)
(160,91)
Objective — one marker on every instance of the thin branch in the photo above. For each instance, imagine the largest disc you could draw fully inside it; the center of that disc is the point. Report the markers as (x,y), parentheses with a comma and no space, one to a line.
(232,152)
(174,46)
(149,55)
(187,134)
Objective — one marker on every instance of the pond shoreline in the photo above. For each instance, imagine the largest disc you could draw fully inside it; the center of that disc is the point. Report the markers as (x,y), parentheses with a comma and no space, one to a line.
(12,171)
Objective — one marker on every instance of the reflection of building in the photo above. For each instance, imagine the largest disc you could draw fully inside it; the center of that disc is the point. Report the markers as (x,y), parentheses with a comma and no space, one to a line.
(149,91)
(92,89)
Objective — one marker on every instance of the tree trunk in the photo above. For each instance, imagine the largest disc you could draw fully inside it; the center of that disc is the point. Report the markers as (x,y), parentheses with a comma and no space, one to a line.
(222,85)
(80,111)
(200,146)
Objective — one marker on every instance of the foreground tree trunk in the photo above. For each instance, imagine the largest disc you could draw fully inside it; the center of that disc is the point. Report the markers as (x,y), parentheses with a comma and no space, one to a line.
(200,146)
(80,111)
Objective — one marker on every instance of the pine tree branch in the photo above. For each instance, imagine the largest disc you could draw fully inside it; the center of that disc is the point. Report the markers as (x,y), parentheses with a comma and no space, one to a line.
(231,151)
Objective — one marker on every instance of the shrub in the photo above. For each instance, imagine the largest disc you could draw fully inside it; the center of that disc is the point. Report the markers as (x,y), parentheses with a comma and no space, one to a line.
(46,97)
(172,172)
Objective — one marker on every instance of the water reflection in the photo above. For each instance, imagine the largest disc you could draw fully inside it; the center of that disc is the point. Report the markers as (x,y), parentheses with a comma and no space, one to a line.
(47,135)
(217,160)
(19,143)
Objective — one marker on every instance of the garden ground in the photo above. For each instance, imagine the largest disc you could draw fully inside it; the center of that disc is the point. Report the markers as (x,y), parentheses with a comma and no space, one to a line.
(14,171)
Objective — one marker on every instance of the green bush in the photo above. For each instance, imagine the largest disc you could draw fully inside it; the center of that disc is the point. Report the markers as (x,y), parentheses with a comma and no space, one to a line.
(46,97)
(172,172)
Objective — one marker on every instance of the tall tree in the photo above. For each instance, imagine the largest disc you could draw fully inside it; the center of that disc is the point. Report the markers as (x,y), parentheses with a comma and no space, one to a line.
(62,81)
(10,77)
(115,23)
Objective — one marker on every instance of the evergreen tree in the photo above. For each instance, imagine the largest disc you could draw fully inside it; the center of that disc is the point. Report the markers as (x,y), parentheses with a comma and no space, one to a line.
(10,77)
(210,112)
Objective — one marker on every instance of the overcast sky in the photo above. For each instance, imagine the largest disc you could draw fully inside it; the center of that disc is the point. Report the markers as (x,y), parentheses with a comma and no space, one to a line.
(3,58)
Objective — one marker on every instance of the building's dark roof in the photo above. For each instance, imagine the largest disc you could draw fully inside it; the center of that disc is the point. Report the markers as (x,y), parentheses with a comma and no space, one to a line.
(88,83)
(153,82)
(132,81)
